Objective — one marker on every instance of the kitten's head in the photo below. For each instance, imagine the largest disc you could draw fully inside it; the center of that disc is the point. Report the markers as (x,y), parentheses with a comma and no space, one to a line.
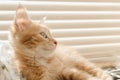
(32,35)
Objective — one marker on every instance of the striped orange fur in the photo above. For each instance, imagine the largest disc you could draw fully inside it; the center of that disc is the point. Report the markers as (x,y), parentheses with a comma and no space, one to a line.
(40,57)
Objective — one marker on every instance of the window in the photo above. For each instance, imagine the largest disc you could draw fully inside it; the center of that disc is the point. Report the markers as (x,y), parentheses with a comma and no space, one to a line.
(90,26)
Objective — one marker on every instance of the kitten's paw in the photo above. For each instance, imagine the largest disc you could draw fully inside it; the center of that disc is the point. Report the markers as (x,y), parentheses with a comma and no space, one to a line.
(109,78)
(106,77)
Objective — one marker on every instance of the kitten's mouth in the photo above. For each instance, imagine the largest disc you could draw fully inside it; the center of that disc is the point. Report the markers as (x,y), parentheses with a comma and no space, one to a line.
(51,47)
(48,49)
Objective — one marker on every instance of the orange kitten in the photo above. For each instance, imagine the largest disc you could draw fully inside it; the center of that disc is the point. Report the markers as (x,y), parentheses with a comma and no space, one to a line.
(40,57)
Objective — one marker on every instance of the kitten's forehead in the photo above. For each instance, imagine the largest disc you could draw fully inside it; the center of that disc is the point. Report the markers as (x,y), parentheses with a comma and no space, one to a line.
(43,27)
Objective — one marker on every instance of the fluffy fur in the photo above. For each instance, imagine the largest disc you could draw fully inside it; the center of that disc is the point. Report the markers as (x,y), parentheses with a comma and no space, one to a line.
(40,57)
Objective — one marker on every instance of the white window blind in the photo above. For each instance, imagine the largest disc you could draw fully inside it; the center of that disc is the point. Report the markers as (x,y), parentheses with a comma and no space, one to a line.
(90,26)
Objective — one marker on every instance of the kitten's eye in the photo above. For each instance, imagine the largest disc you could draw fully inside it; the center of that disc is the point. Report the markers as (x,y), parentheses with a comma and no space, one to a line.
(43,34)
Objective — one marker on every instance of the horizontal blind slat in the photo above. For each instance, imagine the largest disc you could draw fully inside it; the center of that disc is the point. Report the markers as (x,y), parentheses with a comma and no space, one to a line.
(89,40)
(98,48)
(86,32)
(66,6)
(64,15)
(85,0)
(70,24)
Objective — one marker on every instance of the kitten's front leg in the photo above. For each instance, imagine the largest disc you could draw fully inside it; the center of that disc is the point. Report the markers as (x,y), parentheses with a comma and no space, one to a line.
(75,74)
(94,70)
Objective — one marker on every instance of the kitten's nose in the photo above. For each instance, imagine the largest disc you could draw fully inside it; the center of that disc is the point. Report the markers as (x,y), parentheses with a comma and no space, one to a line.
(55,42)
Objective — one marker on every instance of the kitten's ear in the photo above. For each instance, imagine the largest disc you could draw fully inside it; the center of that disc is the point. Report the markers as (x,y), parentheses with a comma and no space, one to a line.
(42,21)
(22,20)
